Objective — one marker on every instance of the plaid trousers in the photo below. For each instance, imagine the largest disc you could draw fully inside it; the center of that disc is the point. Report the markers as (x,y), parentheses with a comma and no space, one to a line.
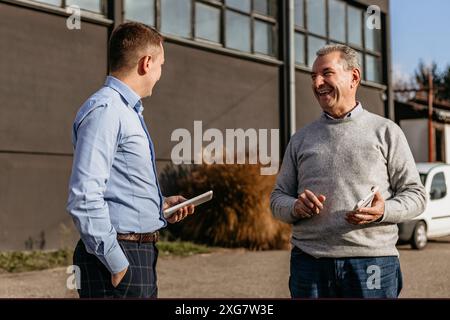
(139,280)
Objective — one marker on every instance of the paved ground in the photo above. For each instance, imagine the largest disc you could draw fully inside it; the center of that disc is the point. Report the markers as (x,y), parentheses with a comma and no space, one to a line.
(240,273)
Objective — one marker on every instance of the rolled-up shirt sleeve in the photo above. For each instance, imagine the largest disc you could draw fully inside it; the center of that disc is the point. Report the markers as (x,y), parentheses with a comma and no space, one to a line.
(95,138)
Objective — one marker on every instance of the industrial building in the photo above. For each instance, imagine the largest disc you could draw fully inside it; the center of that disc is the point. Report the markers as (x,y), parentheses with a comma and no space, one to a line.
(228,63)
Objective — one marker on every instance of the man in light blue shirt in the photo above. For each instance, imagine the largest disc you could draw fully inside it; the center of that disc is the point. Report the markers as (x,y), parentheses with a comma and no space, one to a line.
(114,195)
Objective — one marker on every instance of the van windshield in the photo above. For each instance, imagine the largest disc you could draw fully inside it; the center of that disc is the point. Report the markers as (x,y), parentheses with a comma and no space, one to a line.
(423,178)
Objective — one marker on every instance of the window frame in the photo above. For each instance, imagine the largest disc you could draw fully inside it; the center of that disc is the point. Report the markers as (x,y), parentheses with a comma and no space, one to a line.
(102,14)
(221,5)
(361,49)
(156,5)
(215,5)
(87,16)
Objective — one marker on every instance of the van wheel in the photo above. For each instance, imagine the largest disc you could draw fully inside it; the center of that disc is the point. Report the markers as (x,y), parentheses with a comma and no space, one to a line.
(419,238)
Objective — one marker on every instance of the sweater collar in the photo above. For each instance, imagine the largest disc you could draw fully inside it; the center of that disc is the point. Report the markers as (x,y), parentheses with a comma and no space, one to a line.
(352,113)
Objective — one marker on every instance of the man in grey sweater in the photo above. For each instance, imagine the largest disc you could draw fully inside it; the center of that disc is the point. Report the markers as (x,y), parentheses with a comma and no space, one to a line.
(331,164)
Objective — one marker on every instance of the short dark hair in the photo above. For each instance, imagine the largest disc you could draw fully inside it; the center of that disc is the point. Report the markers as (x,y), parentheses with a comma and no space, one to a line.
(127,41)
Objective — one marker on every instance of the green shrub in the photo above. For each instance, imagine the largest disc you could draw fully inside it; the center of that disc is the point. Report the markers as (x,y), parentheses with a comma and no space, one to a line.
(177,248)
(239,214)
(20,261)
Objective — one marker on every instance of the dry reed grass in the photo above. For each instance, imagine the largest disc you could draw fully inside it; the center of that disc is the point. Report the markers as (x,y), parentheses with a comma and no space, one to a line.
(239,214)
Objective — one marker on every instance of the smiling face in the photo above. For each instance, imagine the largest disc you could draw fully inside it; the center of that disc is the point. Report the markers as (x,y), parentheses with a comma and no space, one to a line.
(333,85)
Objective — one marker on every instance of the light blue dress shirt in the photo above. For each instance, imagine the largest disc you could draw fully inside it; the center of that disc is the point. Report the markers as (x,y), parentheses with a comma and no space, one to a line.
(113,187)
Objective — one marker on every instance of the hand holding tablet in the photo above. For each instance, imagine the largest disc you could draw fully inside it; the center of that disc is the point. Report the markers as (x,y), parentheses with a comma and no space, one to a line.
(194,201)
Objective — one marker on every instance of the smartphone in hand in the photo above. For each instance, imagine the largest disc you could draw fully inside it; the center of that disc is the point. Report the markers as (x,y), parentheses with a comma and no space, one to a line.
(367,200)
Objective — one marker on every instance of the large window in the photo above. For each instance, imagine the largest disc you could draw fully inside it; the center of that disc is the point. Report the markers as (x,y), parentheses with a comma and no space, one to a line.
(207,22)
(373,68)
(140,11)
(237,34)
(96,6)
(52,2)
(176,17)
(320,22)
(242,5)
(263,42)
(314,44)
(336,12)
(299,40)
(354,26)
(243,25)
(91,5)
(265,7)
(299,15)
(250,26)
(316,22)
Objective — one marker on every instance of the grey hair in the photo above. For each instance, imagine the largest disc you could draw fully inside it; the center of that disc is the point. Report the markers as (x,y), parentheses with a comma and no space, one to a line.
(349,56)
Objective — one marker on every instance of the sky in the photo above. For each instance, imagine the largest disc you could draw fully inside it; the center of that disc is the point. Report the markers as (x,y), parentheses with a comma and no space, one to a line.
(420,29)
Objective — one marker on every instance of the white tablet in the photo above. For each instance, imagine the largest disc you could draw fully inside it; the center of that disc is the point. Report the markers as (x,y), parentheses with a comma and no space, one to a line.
(194,201)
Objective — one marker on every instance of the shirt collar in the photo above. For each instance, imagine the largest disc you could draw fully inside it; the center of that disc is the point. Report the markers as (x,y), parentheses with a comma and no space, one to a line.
(131,97)
(356,110)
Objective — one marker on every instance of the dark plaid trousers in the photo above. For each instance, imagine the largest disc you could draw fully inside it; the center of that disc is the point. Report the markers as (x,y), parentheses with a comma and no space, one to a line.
(139,280)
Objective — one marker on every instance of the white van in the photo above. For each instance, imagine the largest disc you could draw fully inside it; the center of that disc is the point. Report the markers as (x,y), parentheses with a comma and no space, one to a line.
(434,222)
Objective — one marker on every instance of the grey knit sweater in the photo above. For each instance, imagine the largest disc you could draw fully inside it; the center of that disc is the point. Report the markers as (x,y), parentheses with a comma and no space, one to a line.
(342,159)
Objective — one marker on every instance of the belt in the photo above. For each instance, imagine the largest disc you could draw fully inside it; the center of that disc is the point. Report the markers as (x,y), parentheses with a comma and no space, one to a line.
(139,237)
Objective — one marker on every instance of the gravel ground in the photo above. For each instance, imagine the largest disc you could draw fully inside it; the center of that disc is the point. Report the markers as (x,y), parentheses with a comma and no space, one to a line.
(241,274)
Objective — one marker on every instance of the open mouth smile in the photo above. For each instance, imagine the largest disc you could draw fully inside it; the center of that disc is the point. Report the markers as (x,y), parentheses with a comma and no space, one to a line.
(324,92)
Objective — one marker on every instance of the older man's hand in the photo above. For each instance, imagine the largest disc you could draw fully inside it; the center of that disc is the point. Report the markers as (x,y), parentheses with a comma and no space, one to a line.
(180,214)
(308,204)
(368,214)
